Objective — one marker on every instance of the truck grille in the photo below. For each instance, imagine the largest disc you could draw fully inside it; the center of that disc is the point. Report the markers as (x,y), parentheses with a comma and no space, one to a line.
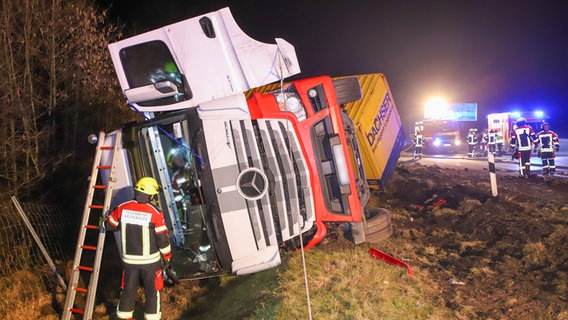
(271,146)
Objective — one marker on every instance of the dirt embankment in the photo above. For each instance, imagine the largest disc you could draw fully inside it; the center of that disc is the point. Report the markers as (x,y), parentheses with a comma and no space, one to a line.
(498,257)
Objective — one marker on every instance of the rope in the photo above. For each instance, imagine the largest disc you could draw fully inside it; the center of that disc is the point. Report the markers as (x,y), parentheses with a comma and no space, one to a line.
(299,215)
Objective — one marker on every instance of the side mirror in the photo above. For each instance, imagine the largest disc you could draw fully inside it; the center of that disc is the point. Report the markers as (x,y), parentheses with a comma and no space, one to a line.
(158,90)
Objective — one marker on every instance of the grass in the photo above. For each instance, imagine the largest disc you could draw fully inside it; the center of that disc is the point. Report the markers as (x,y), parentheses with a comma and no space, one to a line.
(348,284)
(22,298)
(344,282)
(233,297)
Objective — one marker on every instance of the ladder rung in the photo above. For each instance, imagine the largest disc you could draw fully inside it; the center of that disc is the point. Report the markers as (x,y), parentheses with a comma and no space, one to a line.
(89,247)
(103,167)
(99,186)
(96,206)
(85,268)
(107,147)
(79,311)
(90,226)
(81,290)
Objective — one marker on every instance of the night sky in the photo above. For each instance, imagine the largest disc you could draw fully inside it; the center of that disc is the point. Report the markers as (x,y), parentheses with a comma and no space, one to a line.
(502,55)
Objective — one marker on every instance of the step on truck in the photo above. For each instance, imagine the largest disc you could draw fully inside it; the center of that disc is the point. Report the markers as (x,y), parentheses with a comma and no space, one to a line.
(242,177)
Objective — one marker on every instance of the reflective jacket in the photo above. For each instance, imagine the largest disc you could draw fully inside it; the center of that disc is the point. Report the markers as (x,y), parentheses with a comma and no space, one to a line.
(418,140)
(522,138)
(547,141)
(471,138)
(491,138)
(143,232)
(498,137)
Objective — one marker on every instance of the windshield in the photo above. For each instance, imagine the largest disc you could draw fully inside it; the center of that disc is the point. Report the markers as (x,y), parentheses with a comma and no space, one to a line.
(432,128)
(176,166)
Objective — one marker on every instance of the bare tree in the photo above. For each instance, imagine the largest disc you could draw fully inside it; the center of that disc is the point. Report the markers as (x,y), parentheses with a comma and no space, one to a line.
(57,81)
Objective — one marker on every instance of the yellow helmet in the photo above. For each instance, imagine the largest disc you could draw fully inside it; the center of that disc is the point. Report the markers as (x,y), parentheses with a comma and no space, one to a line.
(147,185)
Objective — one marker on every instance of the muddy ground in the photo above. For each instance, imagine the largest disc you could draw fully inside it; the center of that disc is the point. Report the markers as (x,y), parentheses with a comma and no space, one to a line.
(501,257)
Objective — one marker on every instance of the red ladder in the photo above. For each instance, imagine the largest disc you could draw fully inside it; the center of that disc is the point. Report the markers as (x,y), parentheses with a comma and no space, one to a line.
(88,257)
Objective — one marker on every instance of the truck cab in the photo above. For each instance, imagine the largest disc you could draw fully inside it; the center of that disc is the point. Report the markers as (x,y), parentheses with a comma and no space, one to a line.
(242,177)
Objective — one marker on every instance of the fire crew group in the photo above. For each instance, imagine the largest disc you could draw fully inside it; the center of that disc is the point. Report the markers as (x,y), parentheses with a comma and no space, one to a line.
(144,244)
(523,141)
(545,143)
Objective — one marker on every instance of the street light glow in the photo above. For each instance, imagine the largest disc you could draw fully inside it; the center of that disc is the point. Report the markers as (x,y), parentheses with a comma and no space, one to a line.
(436,108)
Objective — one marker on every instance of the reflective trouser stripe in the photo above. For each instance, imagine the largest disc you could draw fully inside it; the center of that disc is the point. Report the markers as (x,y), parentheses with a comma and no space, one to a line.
(124,314)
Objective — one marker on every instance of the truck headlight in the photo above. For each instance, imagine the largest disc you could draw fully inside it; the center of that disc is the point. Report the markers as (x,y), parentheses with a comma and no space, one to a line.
(437,142)
(341,164)
(457,142)
(288,101)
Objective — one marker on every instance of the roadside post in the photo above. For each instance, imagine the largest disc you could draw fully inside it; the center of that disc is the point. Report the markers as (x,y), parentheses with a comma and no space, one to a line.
(492,176)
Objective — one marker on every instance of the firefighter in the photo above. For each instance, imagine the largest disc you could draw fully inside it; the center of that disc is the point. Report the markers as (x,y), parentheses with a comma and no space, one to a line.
(418,143)
(183,181)
(483,144)
(546,144)
(145,243)
(471,142)
(491,141)
(499,141)
(522,139)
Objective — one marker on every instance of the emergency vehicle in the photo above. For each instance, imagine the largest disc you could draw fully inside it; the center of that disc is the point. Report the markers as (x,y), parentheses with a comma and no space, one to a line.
(504,122)
(262,172)
(440,135)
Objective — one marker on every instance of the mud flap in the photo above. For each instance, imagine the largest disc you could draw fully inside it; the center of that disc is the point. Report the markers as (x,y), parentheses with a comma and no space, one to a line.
(357,232)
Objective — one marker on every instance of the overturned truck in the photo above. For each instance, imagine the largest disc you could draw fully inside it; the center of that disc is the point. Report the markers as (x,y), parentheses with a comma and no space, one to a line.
(244,173)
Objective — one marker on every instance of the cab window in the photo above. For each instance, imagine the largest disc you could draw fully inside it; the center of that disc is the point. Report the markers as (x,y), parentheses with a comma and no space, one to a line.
(151,62)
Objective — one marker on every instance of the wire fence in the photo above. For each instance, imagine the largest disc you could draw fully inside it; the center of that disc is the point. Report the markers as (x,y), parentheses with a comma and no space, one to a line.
(29,285)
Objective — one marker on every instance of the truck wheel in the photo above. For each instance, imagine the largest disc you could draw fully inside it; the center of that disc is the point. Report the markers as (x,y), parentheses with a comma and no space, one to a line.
(378,226)
(347,89)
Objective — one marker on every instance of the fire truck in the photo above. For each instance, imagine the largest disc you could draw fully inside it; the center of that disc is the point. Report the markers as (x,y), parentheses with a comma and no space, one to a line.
(440,135)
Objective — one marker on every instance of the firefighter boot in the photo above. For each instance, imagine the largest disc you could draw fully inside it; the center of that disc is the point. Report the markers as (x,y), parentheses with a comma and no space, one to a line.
(527,170)
(544,171)
(552,171)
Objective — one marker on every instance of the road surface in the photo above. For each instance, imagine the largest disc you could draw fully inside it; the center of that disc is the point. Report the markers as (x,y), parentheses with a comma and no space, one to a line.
(503,164)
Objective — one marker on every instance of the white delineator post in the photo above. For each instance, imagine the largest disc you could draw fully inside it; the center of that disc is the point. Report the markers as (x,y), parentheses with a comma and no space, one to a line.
(492,176)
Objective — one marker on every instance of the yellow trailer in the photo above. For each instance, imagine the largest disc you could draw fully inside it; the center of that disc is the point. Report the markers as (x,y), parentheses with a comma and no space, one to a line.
(379,128)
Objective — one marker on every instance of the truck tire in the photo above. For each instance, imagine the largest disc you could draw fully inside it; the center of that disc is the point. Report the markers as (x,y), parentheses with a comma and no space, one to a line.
(347,89)
(378,225)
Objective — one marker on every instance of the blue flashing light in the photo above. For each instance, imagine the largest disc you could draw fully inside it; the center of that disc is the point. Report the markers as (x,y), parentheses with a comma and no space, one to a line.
(515,114)
(539,114)
(437,142)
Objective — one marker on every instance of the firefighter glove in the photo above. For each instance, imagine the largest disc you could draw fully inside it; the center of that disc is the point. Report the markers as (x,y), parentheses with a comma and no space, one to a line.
(102,221)
(557,148)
